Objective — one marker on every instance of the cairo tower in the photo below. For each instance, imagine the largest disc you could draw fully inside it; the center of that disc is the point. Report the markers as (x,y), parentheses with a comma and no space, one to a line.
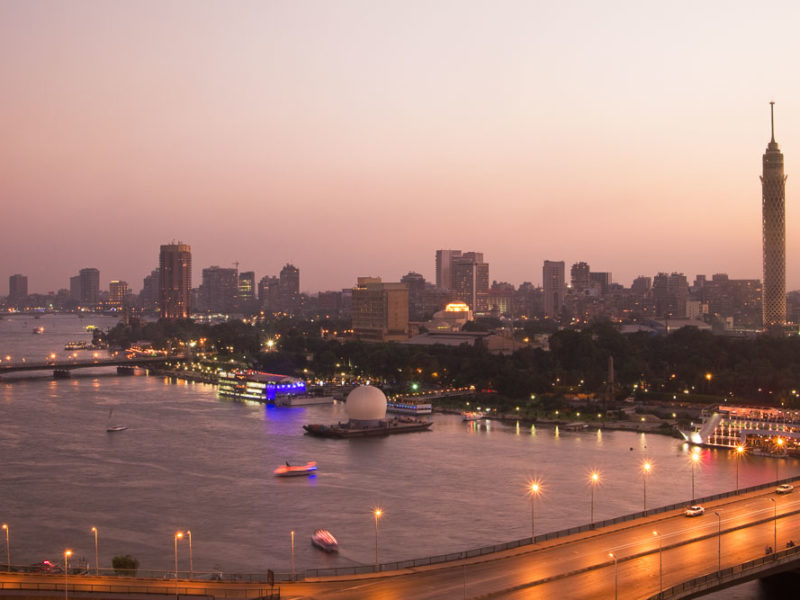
(773,215)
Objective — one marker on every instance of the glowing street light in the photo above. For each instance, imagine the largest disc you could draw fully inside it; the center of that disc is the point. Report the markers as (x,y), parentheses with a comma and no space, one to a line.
(695,458)
(536,489)
(739,452)
(191,565)
(616,573)
(377,512)
(67,554)
(96,563)
(8,547)
(292,538)
(660,563)
(647,466)
(594,479)
(178,536)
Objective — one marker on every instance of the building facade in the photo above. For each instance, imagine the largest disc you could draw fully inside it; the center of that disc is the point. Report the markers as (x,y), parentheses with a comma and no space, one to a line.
(175,269)
(17,289)
(773,219)
(289,289)
(554,287)
(380,310)
(90,286)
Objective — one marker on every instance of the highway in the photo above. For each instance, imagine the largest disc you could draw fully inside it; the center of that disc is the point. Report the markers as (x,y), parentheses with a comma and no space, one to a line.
(574,567)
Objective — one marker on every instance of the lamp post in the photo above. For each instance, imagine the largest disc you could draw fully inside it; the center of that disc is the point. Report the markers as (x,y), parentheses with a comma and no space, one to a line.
(719,544)
(191,564)
(536,489)
(67,554)
(178,535)
(594,478)
(695,459)
(377,512)
(96,563)
(292,538)
(616,573)
(660,563)
(8,548)
(774,526)
(647,466)
(739,452)
(779,443)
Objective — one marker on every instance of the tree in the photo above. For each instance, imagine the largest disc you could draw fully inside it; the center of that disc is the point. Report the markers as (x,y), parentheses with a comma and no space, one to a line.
(125,565)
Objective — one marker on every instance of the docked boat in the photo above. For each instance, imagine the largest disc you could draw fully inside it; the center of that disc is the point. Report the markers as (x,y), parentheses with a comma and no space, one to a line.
(288,470)
(409,407)
(257,385)
(324,540)
(76,346)
(381,428)
(475,415)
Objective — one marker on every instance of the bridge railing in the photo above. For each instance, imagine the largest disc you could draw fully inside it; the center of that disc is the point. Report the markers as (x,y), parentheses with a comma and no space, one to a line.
(476,552)
(726,576)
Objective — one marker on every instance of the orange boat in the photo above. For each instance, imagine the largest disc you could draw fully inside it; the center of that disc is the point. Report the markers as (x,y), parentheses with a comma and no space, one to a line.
(288,470)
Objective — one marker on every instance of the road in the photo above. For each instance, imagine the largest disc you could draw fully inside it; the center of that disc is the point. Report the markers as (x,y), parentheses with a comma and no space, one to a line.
(574,567)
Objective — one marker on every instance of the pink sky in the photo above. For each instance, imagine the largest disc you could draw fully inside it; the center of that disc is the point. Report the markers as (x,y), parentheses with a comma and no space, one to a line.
(357,137)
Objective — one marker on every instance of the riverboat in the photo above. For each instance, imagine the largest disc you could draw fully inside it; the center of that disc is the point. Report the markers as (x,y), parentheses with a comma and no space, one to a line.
(475,415)
(324,540)
(409,407)
(288,470)
(76,346)
(383,427)
(257,385)
(38,330)
(757,430)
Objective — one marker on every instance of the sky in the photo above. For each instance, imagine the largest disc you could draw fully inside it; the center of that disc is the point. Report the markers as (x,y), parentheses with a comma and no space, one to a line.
(357,137)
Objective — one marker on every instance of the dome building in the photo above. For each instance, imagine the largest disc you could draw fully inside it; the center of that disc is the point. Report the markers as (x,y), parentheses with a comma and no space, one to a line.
(366,406)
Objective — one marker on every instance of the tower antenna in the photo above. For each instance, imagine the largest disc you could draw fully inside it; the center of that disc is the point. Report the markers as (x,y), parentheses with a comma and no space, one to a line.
(772,118)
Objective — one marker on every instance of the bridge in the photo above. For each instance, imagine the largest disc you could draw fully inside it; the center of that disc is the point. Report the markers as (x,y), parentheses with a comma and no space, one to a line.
(62,368)
(659,554)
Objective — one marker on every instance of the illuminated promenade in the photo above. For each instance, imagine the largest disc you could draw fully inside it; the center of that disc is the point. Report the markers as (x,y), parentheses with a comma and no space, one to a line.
(652,553)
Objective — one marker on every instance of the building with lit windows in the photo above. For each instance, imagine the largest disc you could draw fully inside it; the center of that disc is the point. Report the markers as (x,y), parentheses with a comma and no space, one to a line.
(175,269)
(380,310)
(555,288)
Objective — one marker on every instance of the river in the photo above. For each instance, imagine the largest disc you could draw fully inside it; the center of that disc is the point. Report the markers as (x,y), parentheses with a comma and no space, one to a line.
(189,460)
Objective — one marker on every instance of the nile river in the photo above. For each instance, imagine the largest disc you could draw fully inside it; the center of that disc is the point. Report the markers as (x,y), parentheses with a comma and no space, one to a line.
(189,460)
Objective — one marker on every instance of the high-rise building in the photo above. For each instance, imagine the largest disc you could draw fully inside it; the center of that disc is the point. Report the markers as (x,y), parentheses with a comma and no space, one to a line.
(289,288)
(75,288)
(17,289)
(670,293)
(151,291)
(773,218)
(579,277)
(470,280)
(90,286)
(554,287)
(175,264)
(268,293)
(416,293)
(219,289)
(380,310)
(117,290)
(444,260)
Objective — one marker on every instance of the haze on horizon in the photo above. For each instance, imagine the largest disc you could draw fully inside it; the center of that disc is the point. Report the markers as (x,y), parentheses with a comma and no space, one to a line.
(357,137)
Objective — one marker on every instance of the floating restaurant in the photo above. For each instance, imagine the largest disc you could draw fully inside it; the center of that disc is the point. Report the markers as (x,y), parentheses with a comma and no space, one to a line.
(258,386)
(769,431)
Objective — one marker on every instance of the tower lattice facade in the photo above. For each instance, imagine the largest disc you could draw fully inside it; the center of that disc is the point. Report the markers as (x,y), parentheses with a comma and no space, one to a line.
(773,212)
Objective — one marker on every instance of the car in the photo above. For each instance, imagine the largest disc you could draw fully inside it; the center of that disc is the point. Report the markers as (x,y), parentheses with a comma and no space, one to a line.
(784,488)
(694,511)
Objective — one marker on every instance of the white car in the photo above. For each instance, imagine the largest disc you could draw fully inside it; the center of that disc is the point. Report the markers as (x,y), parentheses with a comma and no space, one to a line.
(694,511)
(784,488)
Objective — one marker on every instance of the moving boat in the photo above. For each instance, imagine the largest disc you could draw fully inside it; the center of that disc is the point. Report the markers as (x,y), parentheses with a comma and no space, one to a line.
(38,330)
(112,428)
(288,470)
(324,540)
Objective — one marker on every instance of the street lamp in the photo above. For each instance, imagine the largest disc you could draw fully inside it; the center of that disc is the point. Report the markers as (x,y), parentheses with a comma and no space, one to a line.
(779,442)
(8,548)
(536,489)
(178,536)
(594,478)
(660,563)
(67,554)
(96,563)
(739,452)
(774,526)
(377,512)
(191,565)
(616,573)
(647,466)
(695,459)
(719,544)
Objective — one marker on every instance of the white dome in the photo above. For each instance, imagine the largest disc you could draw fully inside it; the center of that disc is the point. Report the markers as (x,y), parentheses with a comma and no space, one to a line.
(366,403)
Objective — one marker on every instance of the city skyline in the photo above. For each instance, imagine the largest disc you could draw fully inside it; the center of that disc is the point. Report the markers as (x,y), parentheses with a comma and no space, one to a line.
(626,136)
